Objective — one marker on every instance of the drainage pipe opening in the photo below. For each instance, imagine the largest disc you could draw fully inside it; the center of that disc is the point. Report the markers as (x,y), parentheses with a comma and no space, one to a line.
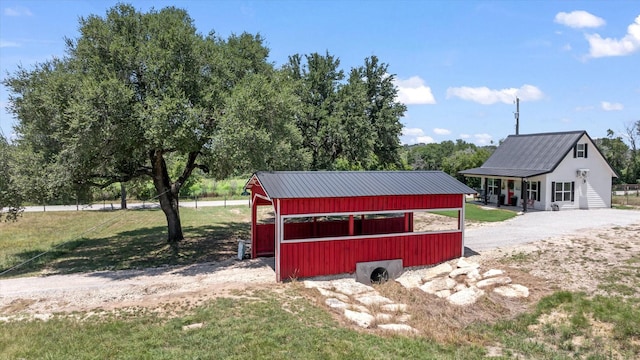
(379,275)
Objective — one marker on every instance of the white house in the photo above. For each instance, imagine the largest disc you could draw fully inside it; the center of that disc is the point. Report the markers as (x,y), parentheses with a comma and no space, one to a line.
(548,171)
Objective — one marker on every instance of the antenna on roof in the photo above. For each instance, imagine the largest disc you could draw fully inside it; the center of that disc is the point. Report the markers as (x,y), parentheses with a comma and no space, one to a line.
(517,115)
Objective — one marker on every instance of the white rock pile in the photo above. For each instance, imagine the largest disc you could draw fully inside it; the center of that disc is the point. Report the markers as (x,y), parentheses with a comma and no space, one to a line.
(363,305)
(463,284)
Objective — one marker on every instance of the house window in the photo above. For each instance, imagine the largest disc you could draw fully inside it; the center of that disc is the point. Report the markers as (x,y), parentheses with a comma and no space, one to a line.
(492,185)
(580,151)
(533,190)
(563,191)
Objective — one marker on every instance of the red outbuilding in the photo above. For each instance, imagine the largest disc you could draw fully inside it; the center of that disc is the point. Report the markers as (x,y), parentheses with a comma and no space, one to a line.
(323,223)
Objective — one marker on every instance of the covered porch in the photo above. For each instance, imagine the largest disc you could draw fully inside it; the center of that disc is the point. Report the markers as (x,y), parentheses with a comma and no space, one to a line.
(515,193)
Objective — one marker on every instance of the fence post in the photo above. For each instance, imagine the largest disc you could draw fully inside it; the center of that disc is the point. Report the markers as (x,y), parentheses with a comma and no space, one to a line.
(196,197)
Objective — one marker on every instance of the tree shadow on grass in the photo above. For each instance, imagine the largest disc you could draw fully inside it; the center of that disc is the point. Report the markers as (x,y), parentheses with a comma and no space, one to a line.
(137,249)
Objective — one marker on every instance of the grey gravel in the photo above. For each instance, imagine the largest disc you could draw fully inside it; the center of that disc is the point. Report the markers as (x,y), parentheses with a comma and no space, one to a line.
(540,225)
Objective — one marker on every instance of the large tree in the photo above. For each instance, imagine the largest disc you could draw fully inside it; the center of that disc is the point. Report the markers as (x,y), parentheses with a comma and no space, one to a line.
(347,125)
(137,90)
(10,200)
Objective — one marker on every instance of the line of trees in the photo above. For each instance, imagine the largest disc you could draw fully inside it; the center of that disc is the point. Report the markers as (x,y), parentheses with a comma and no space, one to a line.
(448,156)
(144,95)
(624,156)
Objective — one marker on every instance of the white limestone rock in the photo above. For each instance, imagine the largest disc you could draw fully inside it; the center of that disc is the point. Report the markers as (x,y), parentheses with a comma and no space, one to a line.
(373,300)
(332,294)
(500,280)
(350,287)
(394,307)
(361,319)
(192,326)
(430,273)
(398,327)
(492,273)
(360,308)
(443,294)
(466,297)
(438,284)
(463,263)
(460,287)
(462,271)
(512,291)
(403,318)
(383,318)
(335,303)
(474,275)
(410,281)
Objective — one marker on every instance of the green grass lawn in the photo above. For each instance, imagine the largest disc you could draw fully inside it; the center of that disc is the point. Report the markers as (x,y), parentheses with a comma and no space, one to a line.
(231,329)
(473,212)
(112,240)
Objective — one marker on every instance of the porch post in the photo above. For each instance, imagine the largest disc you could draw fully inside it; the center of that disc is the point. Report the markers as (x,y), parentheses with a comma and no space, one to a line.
(486,191)
(499,191)
(254,220)
(525,194)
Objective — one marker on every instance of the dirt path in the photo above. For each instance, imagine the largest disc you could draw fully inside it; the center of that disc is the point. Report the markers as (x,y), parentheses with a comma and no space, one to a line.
(107,290)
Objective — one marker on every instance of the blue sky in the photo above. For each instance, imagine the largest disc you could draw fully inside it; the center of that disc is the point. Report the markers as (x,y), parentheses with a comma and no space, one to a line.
(575,65)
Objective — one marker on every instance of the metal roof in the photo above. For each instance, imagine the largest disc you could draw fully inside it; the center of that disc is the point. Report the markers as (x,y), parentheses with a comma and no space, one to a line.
(528,155)
(324,184)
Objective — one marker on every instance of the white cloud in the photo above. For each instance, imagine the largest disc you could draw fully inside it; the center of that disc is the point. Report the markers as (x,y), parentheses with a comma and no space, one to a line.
(439,131)
(567,47)
(630,43)
(607,106)
(415,136)
(412,132)
(486,96)
(4,44)
(464,136)
(482,139)
(424,140)
(413,91)
(579,19)
(17,11)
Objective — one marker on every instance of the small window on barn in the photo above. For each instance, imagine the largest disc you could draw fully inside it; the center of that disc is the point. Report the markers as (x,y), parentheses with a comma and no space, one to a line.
(428,221)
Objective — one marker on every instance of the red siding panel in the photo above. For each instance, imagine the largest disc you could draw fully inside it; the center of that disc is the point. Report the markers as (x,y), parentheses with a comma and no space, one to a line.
(381,203)
(307,259)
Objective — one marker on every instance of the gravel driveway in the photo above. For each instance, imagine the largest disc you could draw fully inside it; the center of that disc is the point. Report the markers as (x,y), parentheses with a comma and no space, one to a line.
(539,225)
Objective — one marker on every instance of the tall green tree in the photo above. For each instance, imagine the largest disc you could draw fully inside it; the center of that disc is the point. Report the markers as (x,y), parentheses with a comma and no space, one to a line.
(134,90)
(316,82)
(347,125)
(383,111)
(10,199)
(616,152)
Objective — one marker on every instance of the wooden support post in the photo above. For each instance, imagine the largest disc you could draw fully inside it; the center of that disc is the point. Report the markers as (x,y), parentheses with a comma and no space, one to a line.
(351,227)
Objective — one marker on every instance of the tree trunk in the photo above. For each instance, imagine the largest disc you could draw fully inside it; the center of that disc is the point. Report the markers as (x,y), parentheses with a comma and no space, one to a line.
(168,196)
(123,196)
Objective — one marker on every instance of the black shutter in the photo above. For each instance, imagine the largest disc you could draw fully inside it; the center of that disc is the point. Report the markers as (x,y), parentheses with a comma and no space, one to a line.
(553,191)
(538,192)
(585,150)
(575,150)
(573,186)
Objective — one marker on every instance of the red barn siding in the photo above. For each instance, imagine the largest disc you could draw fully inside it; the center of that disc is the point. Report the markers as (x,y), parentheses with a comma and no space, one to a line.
(368,203)
(264,240)
(305,259)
